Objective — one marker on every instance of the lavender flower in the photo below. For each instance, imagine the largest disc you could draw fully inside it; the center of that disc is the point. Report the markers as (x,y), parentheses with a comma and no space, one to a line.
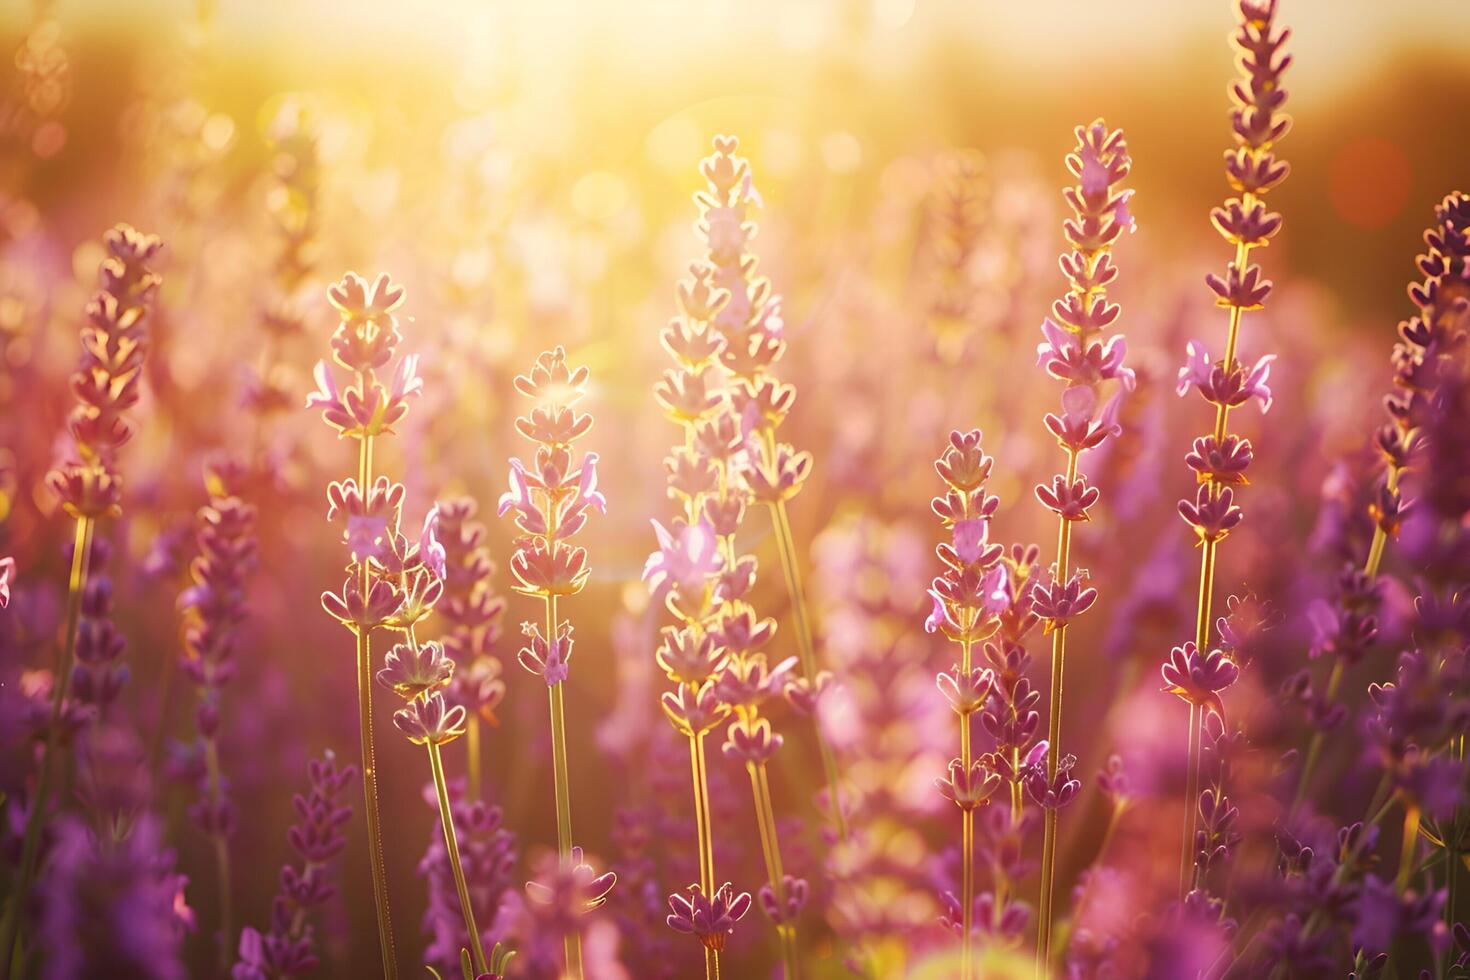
(213,609)
(551,500)
(1074,352)
(745,320)
(107,384)
(473,610)
(1252,169)
(388,583)
(969,597)
(288,947)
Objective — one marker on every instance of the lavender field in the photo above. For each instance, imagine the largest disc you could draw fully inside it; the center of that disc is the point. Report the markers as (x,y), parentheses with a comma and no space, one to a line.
(784,489)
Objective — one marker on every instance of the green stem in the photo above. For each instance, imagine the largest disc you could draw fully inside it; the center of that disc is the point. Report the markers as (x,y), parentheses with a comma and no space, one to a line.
(1191,801)
(967,826)
(451,843)
(765,815)
(700,782)
(371,812)
(1406,851)
(31,848)
(1054,745)
(786,545)
(1454,859)
(563,805)
(472,739)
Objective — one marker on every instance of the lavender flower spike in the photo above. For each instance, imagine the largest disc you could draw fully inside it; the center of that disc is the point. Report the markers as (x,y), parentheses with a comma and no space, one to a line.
(1075,352)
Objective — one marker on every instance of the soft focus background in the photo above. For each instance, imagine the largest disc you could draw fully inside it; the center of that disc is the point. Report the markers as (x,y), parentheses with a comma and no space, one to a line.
(526,171)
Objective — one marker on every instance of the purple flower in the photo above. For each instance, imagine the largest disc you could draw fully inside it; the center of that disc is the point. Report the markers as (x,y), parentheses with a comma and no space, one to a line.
(751,741)
(550,661)
(781,912)
(529,517)
(572,890)
(968,788)
(712,920)
(1199,678)
(430,720)
(688,556)
(1232,386)
(970,539)
(411,672)
(1056,791)
(431,551)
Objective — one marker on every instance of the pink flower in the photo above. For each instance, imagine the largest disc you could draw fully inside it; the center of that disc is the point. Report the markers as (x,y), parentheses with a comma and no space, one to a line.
(431,552)
(518,498)
(7,569)
(687,557)
(970,539)
(1196,370)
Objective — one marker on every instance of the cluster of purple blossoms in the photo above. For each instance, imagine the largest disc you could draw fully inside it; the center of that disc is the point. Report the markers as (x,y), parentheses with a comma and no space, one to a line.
(712,652)
(213,609)
(390,581)
(288,947)
(969,597)
(1198,671)
(1075,352)
(488,853)
(868,575)
(473,610)
(551,499)
(746,323)
(108,382)
(99,674)
(110,904)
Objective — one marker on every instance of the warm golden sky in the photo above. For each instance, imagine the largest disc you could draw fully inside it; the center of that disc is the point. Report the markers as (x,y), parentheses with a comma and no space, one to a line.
(1336,40)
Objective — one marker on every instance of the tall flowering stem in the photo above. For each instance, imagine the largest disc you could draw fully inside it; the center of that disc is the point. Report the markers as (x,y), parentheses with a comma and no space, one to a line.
(1346,628)
(750,324)
(288,947)
(969,596)
(1074,352)
(474,613)
(551,499)
(713,653)
(213,608)
(107,384)
(1220,458)
(418,674)
(365,342)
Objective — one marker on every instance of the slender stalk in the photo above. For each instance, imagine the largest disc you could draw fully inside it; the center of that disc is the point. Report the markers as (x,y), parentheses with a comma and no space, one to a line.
(221,859)
(765,816)
(1054,743)
(1191,797)
(1206,595)
(786,544)
(386,946)
(451,843)
(563,811)
(1334,680)
(700,781)
(1454,858)
(967,831)
(472,741)
(31,848)
(1412,815)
